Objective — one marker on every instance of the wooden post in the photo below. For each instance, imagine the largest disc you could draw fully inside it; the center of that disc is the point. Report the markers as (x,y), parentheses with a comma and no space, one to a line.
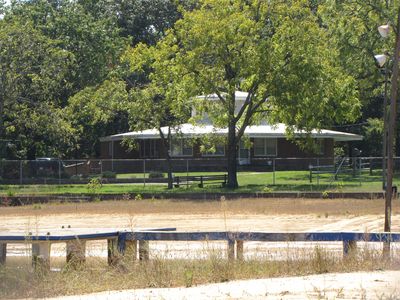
(349,247)
(144,250)
(131,249)
(112,251)
(231,249)
(3,253)
(41,255)
(76,251)
(239,250)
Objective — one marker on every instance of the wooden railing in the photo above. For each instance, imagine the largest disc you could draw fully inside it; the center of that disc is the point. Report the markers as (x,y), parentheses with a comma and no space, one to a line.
(138,242)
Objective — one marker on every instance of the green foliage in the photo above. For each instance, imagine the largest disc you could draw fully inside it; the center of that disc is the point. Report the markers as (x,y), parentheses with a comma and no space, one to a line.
(154,174)
(108,174)
(373,136)
(94,186)
(338,152)
(48,52)
(276,51)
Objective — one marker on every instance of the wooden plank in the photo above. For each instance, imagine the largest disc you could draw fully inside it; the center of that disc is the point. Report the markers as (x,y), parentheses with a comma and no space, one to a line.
(3,253)
(263,236)
(41,256)
(76,251)
(62,238)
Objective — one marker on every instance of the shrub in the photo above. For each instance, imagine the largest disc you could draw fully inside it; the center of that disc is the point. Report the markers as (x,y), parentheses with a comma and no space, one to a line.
(109,174)
(94,186)
(76,177)
(156,175)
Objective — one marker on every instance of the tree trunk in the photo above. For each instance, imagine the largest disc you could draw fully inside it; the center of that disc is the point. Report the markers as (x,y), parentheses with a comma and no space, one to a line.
(232,157)
(169,171)
(165,145)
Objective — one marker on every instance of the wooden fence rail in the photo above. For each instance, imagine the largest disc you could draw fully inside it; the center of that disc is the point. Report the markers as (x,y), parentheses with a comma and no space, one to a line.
(136,243)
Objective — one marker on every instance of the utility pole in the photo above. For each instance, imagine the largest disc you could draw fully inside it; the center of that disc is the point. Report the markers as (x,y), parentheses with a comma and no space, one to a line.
(391,134)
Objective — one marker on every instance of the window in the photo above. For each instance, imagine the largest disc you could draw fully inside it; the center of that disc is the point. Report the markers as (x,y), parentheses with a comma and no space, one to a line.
(264,147)
(181,147)
(219,151)
(148,148)
(320,146)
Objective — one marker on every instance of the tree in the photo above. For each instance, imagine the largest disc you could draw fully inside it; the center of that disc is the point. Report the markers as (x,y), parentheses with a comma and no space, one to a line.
(153,102)
(352,26)
(85,45)
(98,111)
(273,50)
(93,39)
(33,72)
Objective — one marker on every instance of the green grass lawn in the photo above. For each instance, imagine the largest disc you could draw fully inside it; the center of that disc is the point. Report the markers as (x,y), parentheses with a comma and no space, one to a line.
(248,181)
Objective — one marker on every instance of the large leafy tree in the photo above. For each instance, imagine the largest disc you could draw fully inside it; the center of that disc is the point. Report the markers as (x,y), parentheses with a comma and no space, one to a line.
(33,73)
(276,51)
(153,100)
(51,50)
(352,26)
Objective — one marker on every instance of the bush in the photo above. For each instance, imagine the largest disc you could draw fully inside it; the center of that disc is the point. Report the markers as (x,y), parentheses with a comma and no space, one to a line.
(156,175)
(109,174)
(76,177)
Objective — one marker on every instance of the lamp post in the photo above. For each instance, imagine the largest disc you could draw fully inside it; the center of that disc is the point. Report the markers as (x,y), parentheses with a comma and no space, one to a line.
(384,31)
(381,60)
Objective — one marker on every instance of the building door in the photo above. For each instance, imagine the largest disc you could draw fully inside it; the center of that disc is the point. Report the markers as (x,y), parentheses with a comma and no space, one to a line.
(244,154)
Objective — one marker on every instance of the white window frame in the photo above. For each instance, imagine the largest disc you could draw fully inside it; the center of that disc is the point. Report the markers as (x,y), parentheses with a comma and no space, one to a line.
(265,154)
(181,146)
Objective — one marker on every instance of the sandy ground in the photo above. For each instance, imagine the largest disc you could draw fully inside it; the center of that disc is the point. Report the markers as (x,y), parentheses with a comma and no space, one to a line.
(96,223)
(377,285)
(91,223)
(329,286)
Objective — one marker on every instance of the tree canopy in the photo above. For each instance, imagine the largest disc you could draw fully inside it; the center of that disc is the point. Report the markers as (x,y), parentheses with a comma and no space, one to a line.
(275,51)
(67,77)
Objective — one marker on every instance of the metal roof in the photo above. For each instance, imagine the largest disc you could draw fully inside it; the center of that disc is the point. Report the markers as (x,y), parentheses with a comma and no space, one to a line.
(256,131)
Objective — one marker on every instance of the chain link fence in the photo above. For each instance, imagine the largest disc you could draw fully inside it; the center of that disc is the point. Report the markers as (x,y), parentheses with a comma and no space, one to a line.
(281,170)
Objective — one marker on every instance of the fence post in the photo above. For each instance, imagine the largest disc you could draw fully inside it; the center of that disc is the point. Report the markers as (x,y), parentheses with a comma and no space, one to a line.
(318,172)
(3,253)
(76,251)
(41,256)
(239,250)
(273,171)
(59,171)
(231,249)
(112,251)
(144,250)
(20,172)
(348,247)
(131,248)
(144,172)
(101,167)
(187,173)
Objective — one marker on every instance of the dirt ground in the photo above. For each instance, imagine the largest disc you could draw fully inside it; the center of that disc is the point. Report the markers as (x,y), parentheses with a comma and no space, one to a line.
(272,215)
(269,215)
(361,285)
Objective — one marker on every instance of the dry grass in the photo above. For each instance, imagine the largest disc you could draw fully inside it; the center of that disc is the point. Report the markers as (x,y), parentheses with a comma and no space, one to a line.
(241,206)
(18,279)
